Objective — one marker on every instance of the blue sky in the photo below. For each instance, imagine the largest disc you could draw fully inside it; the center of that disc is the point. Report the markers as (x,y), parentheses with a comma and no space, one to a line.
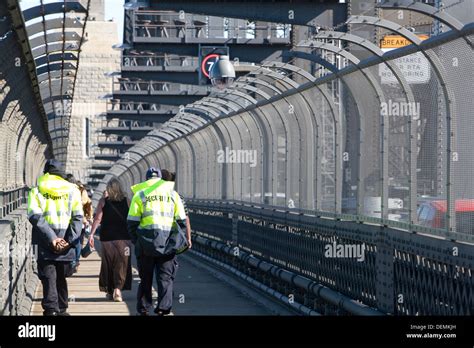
(114,9)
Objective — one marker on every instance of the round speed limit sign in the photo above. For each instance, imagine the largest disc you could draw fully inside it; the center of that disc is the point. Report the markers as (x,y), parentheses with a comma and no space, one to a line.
(208,62)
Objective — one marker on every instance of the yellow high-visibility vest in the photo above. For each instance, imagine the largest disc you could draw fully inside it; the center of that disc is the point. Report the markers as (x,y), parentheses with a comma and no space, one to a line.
(157,207)
(56,200)
(143,185)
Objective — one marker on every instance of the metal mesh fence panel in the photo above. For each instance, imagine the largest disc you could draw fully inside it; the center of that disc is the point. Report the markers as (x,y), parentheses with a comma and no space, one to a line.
(384,140)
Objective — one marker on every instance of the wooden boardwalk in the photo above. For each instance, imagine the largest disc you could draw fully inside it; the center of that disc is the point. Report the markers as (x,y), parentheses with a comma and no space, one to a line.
(197,292)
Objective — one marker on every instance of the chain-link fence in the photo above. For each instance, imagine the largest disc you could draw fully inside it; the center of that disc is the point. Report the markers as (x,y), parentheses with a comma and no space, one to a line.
(295,165)
(384,139)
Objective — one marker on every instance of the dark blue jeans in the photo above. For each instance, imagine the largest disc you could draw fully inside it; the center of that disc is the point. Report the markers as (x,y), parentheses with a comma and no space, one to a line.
(165,268)
(53,277)
(78,248)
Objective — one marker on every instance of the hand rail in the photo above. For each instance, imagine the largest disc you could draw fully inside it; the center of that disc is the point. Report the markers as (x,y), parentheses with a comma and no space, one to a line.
(295,214)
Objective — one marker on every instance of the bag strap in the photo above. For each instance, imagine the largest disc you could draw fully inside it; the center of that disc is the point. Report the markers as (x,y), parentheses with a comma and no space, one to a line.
(153,187)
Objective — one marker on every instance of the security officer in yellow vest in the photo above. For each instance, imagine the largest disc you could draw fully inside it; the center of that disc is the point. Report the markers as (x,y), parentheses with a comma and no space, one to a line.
(156,223)
(55,211)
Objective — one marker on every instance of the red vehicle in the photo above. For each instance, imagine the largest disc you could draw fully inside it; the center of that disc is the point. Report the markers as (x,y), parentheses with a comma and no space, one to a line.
(433,214)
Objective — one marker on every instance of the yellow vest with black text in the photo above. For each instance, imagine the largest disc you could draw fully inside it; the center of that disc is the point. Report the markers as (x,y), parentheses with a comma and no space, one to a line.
(56,200)
(55,210)
(157,208)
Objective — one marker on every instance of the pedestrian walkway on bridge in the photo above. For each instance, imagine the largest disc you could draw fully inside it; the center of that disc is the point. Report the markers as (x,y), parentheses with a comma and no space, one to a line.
(204,294)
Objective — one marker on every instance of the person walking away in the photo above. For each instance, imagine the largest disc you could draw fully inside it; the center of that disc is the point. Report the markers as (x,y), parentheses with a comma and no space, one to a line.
(116,267)
(55,211)
(86,221)
(171,176)
(152,176)
(156,221)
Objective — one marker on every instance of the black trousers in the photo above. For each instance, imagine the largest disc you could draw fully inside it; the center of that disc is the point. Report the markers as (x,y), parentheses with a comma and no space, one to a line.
(53,277)
(165,268)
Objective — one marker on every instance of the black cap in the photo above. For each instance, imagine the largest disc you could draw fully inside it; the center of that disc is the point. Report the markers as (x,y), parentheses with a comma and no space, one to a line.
(153,172)
(54,167)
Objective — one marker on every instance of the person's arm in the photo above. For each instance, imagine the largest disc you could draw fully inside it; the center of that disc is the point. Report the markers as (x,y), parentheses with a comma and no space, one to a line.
(77,216)
(188,223)
(35,216)
(180,216)
(97,220)
(134,216)
(188,232)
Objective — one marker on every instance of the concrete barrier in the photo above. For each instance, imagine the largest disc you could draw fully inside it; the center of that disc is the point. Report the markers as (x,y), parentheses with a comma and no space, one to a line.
(18,278)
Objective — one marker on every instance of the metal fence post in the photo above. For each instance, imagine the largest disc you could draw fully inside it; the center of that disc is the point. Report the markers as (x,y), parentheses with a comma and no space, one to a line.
(235,228)
(384,287)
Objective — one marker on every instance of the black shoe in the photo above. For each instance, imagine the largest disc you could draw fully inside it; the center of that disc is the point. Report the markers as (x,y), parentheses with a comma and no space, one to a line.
(50,313)
(143,314)
(63,313)
(161,312)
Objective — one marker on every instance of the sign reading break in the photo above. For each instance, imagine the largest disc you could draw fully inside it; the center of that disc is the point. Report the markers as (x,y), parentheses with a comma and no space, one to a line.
(414,67)
(397,41)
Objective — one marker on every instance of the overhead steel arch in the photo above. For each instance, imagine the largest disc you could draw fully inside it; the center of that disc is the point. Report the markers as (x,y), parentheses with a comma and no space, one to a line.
(384,125)
(216,106)
(56,87)
(275,77)
(55,74)
(53,43)
(448,96)
(46,69)
(181,127)
(51,24)
(219,105)
(311,57)
(425,9)
(431,11)
(289,67)
(191,118)
(53,8)
(261,82)
(225,98)
(336,121)
(44,50)
(246,86)
(164,135)
(54,38)
(141,158)
(57,57)
(231,91)
(175,132)
(407,91)
(369,46)
(201,110)
(336,50)
(54,98)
